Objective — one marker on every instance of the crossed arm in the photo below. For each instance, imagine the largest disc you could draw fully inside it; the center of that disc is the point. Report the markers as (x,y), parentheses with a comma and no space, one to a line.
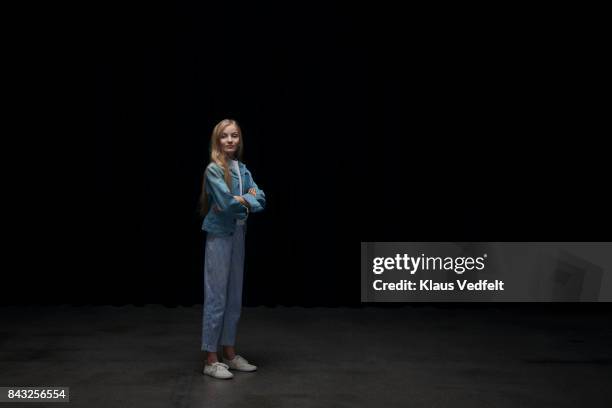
(241,200)
(237,205)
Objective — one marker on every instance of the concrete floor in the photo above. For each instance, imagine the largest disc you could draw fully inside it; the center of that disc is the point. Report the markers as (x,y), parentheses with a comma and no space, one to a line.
(313,357)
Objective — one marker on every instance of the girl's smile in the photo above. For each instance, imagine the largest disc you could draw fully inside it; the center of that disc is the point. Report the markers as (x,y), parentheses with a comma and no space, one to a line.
(229,140)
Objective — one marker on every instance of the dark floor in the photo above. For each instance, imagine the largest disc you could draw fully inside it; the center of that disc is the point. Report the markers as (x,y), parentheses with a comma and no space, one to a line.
(313,357)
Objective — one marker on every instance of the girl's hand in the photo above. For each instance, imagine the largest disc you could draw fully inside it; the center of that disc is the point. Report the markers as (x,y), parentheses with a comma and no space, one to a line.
(252,191)
(242,201)
(216,208)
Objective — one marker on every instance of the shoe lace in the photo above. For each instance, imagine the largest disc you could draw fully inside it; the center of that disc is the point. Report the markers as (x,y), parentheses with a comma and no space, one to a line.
(219,364)
(239,360)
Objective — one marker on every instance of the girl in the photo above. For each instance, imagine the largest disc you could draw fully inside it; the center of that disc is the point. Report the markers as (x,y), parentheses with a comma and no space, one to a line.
(229,194)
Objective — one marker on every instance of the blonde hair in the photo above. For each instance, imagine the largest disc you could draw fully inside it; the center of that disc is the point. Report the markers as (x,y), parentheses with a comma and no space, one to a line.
(218,157)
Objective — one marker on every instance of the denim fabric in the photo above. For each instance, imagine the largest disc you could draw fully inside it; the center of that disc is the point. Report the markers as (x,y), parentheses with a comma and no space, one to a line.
(229,210)
(223,277)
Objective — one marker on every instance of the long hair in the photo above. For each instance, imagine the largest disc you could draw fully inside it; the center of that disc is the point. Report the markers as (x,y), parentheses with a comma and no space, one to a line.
(218,156)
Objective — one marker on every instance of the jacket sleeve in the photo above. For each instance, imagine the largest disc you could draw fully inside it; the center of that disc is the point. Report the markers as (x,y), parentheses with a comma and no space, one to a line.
(258,201)
(222,195)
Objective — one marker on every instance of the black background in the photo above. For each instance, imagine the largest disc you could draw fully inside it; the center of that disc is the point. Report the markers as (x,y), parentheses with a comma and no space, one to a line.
(361,122)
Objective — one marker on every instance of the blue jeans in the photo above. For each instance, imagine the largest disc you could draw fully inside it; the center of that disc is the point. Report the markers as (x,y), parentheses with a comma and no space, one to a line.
(223,276)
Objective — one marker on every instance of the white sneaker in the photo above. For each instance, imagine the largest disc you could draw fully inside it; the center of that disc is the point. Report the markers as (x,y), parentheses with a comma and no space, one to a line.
(218,370)
(239,363)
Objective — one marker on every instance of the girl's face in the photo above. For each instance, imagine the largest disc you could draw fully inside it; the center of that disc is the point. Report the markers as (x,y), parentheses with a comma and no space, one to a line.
(230,138)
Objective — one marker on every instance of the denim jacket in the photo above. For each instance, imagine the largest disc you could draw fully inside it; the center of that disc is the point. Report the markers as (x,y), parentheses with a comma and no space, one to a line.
(224,210)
